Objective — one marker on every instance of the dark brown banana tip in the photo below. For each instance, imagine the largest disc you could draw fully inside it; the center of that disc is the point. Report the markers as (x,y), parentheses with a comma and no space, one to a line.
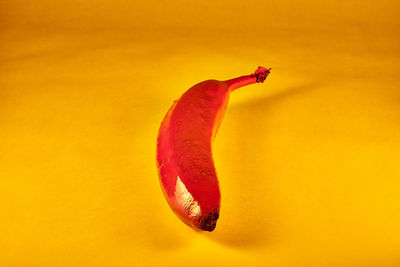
(209,221)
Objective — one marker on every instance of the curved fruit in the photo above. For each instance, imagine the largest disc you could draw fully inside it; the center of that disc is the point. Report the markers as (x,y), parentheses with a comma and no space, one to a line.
(184,156)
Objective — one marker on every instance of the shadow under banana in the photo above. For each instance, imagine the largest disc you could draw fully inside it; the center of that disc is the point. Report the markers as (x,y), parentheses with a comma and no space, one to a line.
(248,219)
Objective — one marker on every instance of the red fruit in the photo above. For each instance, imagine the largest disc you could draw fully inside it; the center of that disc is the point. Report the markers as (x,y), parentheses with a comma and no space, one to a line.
(184,155)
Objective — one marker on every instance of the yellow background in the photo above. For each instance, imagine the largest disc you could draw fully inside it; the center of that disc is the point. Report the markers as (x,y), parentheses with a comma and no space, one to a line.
(309,161)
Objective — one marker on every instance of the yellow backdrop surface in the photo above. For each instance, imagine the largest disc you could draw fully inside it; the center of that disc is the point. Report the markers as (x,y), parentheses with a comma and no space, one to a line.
(308,162)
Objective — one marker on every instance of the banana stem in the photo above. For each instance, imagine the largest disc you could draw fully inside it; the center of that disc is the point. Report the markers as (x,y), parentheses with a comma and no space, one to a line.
(257,77)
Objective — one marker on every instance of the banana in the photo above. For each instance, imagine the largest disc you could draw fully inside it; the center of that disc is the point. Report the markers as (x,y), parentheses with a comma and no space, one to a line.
(184,149)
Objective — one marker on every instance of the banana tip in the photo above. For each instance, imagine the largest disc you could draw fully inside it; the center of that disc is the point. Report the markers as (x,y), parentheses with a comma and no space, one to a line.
(209,221)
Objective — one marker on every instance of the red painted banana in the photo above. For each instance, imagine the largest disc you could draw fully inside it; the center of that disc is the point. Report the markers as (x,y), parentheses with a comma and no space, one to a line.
(184,155)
